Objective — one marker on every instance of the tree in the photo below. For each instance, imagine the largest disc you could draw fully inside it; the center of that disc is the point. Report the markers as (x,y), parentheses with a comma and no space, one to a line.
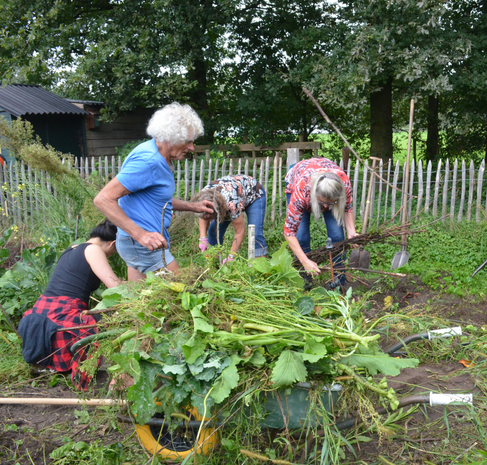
(464,115)
(128,53)
(397,48)
(272,40)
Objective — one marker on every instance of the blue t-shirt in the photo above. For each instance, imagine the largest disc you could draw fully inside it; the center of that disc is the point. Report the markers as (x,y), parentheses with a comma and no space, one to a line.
(148,177)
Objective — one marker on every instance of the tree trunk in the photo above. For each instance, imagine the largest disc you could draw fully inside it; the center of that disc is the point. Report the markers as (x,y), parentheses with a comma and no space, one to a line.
(432,149)
(381,121)
(199,97)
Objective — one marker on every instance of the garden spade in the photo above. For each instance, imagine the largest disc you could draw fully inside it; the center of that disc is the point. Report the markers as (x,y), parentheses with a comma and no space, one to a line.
(402,257)
(360,258)
(479,268)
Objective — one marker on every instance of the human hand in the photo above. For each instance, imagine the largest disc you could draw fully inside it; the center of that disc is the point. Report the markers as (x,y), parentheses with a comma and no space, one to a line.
(204,206)
(203,243)
(311,267)
(230,258)
(152,241)
(353,246)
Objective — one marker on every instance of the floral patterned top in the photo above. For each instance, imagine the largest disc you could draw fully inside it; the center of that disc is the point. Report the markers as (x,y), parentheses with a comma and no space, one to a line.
(239,191)
(299,186)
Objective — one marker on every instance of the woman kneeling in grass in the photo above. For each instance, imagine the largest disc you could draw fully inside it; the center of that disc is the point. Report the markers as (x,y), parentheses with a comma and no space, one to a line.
(79,272)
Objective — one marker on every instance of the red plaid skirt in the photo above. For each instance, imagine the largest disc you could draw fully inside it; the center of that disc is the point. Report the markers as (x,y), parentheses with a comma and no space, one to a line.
(66,313)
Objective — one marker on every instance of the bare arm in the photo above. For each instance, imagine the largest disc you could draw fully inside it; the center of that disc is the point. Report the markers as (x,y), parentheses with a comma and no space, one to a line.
(98,262)
(349,220)
(203,225)
(309,265)
(107,202)
(239,227)
(205,206)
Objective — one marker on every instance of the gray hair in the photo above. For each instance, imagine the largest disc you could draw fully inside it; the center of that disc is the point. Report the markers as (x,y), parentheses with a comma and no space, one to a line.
(219,202)
(328,186)
(175,124)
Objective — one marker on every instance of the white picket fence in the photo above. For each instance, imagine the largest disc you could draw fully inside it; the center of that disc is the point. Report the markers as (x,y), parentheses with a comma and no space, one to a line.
(455,191)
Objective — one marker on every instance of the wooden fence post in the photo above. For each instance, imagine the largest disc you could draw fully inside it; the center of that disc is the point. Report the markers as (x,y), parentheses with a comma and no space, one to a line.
(420,187)
(274,190)
(437,190)
(479,190)
(186,179)
(389,163)
(379,197)
(394,191)
(355,186)
(210,171)
(445,189)
(267,168)
(364,188)
(429,169)
(410,197)
(453,192)
(462,195)
(202,174)
(217,164)
(292,158)
(280,185)
(178,180)
(471,186)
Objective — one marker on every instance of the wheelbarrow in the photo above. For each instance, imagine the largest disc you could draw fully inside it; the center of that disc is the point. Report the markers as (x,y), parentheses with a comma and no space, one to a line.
(284,408)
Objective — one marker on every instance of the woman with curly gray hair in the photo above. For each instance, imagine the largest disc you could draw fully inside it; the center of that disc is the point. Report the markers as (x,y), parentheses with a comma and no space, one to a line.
(231,196)
(139,200)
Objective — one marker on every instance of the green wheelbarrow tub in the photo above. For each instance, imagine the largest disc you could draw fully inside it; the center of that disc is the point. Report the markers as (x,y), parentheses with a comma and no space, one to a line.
(291,406)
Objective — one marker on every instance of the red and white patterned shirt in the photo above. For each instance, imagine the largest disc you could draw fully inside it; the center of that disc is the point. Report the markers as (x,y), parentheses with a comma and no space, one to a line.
(298,184)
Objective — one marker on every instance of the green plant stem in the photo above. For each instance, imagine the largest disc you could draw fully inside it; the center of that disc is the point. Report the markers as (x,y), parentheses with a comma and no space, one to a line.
(351,372)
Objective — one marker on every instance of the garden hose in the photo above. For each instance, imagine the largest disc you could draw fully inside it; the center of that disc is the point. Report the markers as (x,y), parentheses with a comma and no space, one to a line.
(433,399)
(435,334)
(94,337)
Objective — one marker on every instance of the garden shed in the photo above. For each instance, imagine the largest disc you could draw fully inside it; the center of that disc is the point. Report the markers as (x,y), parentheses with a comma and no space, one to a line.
(55,120)
(102,138)
(71,126)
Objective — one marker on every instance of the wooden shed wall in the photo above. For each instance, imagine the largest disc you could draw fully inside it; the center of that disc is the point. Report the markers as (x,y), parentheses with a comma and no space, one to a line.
(128,127)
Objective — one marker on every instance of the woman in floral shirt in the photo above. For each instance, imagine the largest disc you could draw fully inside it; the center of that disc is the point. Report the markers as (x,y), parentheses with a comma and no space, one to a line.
(231,196)
(320,186)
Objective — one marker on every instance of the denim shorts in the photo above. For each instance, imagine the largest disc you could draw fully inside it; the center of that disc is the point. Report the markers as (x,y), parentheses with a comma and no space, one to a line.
(141,258)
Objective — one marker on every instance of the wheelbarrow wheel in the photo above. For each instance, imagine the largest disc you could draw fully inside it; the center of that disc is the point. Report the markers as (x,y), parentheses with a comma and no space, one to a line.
(177,444)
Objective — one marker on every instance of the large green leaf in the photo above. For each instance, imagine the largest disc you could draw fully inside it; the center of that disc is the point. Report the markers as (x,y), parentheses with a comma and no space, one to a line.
(200,321)
(128,363)
(141,393)
(225,383)
(304,305)
(380,363)
(281,263)
(289,369)
(209,284)
(194,347)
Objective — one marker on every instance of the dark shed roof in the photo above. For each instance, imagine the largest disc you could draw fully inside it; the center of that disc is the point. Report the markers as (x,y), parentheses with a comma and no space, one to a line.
(22,99)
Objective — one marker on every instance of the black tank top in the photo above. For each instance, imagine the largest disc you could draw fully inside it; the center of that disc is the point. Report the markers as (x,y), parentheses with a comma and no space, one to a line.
(73,276)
